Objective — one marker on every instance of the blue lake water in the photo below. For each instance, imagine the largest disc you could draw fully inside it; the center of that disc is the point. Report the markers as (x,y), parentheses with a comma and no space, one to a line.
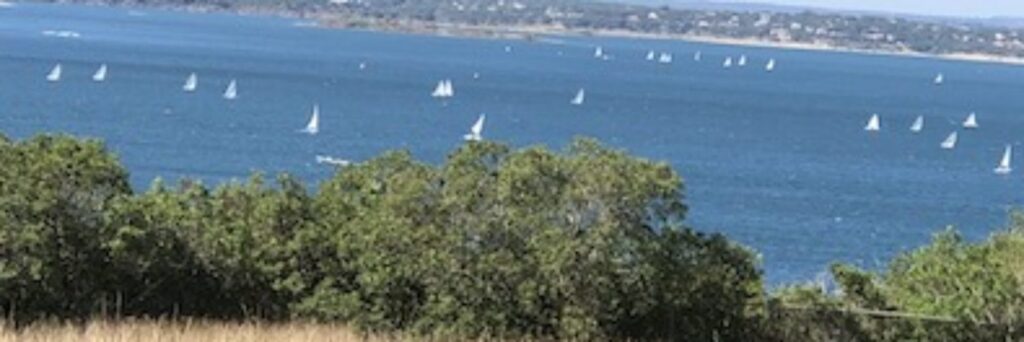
(778,161)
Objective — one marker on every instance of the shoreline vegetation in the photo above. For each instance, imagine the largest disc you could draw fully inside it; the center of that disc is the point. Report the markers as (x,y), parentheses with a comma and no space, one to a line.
(863,34)
(495,243)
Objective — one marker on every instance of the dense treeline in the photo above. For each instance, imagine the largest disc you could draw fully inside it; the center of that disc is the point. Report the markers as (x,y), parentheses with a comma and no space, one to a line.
(585,244)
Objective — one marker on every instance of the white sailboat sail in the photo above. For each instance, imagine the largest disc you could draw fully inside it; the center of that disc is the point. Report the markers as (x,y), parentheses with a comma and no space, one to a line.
(476,132)
(950,142)
(598,52)
(665,58)
(1004,164)
(727,63)
(770,66)
(101,74)
(444,89)
(313,127)
(54,75)
(874,124)
(231,92)
(697,56)
(449,89)
(579,98)
(191,83)
(742,61)
(918,125)
(971,122)
(439,90)
(939,79)
(650,55)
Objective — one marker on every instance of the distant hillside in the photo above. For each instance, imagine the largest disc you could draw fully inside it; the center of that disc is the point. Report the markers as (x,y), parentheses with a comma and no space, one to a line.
(735,23)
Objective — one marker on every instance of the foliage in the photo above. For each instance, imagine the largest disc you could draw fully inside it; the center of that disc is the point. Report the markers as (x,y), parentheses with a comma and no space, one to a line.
(587,244)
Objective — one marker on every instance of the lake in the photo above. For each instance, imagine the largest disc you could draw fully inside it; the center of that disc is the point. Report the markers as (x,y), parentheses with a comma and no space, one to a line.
(778,161)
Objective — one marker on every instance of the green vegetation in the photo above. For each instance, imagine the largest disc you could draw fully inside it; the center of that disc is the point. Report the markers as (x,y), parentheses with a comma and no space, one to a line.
(585,244)
(511,17)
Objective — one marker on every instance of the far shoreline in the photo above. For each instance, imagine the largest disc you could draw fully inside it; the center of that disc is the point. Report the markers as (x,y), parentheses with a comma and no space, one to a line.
(528,32)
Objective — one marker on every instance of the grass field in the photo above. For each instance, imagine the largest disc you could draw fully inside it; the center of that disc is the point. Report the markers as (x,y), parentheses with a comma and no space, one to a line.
(159,331)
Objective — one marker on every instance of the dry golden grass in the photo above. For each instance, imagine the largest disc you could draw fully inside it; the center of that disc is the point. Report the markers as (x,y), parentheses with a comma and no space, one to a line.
(161,331)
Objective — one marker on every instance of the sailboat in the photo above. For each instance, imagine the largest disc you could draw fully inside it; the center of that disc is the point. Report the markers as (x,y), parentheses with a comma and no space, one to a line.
(313,127)
(598,52)
(950,142)
(742,61)
(918,125)
(1004,164)
(476,132)
(874,124)
(727,63)
(101,74)
(650,55)
(770,66)
(444,89)
(580,97)
(231,92)
(697,56)
(191,83)
(332,161)
(665,58)
(939,79)
(54,75)
(971,122)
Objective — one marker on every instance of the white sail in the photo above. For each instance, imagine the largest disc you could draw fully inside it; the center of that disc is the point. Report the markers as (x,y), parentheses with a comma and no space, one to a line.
(439,90)
(697,56)
(971,121)
(918,125)
(476,132)
(579,98)
(449,90)
(101,74)
(231,92)
(650,55)
(770,66)
(598,52)
(742,61)
(444,89)
(313,127)
(332,161)
(191,83)
(54,75)
(727,63)
(940,78)
(950,142)
(1004,164)
(665,58)
(874,124)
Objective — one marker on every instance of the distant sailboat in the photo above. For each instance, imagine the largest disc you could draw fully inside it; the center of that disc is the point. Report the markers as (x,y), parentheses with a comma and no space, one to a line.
(727,63)
(770,66)
(918,125)
(939,79)
(950,142)
(971,122)
(598,52)
(650,55)
(665,58)
(476,132)
(54,75)
(101,74)
(313,127)
(580,97)
(444,89)
(332,161)
(697,56)
(742,61)
(231,92)
(362,65)
(1004,164)
(191,83)
(874,124)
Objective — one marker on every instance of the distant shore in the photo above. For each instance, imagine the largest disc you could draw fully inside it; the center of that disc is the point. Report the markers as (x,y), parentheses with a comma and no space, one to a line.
(530,32)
